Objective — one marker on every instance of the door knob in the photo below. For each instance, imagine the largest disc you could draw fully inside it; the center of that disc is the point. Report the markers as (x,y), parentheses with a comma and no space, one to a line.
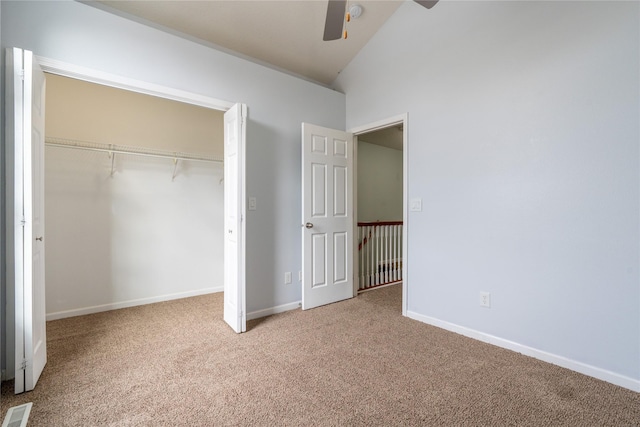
(39,238)
(308,225)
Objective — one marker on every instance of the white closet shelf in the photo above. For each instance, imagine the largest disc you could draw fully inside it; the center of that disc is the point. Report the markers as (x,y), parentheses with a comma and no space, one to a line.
(122,149)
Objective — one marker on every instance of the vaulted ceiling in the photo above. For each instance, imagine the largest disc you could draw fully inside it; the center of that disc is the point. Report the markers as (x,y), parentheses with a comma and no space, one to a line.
(285,35)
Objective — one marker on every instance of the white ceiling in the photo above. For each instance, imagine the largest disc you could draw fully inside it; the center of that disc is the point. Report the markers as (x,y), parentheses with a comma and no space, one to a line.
(286,35)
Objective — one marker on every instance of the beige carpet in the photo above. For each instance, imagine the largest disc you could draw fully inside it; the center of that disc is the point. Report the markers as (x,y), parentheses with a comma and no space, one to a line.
(353,363)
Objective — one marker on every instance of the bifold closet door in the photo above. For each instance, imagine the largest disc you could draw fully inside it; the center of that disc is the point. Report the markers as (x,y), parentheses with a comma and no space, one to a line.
(234,237)
(25,134)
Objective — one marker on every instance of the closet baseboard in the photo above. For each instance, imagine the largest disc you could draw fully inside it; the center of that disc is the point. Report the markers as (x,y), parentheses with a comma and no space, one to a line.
(273,310)
(130,303)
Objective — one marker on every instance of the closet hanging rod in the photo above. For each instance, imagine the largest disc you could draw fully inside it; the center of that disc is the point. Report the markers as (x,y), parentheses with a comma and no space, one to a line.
(121,149)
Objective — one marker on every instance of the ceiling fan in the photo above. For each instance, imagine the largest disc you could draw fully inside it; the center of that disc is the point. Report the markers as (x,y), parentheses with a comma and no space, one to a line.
(336,12)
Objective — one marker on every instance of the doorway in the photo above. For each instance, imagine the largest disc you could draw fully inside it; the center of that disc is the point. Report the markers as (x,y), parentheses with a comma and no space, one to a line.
(380,250)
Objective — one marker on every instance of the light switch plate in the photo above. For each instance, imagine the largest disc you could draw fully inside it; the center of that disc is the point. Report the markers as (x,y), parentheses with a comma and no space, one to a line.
(253,203)
(415,205)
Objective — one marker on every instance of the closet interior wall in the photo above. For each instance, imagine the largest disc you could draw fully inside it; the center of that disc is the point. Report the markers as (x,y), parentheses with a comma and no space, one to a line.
(130,229)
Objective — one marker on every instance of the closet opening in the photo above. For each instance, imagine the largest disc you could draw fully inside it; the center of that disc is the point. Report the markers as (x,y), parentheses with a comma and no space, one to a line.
(134,200)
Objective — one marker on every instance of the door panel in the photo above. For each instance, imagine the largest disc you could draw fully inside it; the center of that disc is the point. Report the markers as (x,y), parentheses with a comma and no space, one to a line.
(327,215)
(319,185)
(234,278)
(340,257)
(340,191)
(318,255)
(26,99)
(36,346)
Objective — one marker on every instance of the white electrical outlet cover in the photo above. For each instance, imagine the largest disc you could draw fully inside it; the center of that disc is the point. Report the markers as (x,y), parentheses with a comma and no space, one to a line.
(485,299)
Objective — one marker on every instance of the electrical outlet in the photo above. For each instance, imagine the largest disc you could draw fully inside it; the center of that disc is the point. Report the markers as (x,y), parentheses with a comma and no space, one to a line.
(287,277)
(485,299)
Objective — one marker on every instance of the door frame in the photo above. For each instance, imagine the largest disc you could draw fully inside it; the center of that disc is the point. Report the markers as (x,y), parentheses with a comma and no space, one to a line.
(66,69)
(401,119)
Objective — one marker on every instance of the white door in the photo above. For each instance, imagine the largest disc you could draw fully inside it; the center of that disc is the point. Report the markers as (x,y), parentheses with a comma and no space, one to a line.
(234,211)
(327,216)
(26,85)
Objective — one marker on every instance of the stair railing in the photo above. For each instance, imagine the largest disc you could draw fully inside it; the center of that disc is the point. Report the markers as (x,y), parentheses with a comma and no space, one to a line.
(379,253)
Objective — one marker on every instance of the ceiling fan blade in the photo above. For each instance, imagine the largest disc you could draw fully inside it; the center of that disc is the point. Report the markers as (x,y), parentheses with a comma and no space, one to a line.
(335,20)
(427,3)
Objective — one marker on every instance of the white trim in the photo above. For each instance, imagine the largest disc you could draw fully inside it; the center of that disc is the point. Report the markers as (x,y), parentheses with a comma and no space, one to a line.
(402,119)
(380,124)
(386,285)
(354,205)
(65,69)
(583,368)
(274,310)
(405,214)
(242,278)
(131,303)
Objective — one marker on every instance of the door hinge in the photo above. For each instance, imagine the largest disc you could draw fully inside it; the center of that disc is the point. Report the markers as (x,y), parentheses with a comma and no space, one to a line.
(22,74)
(23,221)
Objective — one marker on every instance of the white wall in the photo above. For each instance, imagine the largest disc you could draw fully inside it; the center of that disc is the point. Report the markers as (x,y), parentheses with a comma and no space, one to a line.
(139,236)
(523,142)
(135,238)
(379,183)
(79,34)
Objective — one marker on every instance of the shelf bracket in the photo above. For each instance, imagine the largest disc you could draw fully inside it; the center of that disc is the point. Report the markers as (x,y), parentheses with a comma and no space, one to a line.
(175,168)
(112,156)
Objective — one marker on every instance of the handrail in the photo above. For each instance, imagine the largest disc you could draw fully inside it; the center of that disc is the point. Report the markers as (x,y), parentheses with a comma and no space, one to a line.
(374,224)
(368,224)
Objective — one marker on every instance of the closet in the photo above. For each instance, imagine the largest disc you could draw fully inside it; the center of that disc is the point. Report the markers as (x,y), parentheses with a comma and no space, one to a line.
(133,198)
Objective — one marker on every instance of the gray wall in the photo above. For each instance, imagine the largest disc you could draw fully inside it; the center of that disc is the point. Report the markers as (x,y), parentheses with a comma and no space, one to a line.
(85,36)
(379,183)
(523,143)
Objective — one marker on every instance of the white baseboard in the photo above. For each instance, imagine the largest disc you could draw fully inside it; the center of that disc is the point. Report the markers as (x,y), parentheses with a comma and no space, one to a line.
(583,368)
(131,303)
(273,310)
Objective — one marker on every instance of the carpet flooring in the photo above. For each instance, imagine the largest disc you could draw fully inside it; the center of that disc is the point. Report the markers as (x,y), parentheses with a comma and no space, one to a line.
(353,363)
